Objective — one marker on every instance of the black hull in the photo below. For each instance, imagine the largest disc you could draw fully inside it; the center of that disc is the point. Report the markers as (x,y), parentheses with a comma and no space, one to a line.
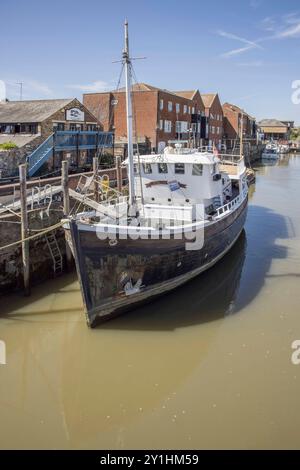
(160,265)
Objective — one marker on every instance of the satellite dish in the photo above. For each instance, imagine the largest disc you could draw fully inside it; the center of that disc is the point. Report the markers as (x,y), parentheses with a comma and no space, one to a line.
(2,91)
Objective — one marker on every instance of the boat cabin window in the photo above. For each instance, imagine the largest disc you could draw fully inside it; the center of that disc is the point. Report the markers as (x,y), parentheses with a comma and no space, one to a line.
(197,169)
(162,168)
(147,168)
(179,168)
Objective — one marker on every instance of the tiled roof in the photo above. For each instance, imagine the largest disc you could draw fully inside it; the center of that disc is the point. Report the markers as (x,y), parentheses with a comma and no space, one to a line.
(30,111)
(139,87)
(208,99)
(237,109)
(271,123)
(189,94)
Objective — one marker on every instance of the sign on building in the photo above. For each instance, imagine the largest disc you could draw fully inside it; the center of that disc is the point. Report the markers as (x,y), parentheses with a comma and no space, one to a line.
(75,114)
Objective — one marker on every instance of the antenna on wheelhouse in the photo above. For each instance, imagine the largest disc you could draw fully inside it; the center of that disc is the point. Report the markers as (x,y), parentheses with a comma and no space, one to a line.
(127,63)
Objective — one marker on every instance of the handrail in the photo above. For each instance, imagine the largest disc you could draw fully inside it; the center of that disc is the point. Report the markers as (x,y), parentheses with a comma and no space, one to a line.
(223,209)
(39,154)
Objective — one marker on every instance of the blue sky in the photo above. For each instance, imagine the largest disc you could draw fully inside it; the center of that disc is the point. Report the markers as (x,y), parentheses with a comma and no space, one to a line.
(246,50)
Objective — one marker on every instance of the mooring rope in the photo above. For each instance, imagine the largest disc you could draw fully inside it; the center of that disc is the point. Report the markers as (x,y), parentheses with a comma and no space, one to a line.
(31,237)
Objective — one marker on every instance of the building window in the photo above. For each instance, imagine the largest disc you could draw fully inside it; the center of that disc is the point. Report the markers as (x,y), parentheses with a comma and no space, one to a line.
(161,105)
(73,127)
(193,110)
(59,126)
(189,110)
(170,105)
(181,126)
(218,130)
(161,124)
(162,168)
(184,109)
(136,169)
(147,168)
(197,169)
(91,127)
(168,126)
(213,129)
(179,168)
(177,108)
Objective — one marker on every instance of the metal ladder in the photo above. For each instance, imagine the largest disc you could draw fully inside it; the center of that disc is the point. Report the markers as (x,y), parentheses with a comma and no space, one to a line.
(55,253)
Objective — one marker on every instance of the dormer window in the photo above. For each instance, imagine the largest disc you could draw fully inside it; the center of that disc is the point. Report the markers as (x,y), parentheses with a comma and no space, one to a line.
(162,168)
(147,168)
(179,168)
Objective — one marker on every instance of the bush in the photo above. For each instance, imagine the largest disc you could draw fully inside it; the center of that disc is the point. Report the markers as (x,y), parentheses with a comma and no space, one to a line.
(8,146)
(295,134)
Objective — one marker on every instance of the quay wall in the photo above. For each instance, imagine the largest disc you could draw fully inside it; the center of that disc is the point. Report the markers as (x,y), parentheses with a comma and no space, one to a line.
(41,264)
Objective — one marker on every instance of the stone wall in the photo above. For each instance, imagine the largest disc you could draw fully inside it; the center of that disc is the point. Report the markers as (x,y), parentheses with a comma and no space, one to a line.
(41,265)
(11,159)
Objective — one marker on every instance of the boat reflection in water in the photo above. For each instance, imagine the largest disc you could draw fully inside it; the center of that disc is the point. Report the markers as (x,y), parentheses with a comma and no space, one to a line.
(121,384)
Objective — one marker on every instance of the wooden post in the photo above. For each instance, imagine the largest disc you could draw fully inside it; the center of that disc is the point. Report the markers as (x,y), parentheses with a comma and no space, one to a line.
(95,173)
(65,188)
(24,229)
(119,173)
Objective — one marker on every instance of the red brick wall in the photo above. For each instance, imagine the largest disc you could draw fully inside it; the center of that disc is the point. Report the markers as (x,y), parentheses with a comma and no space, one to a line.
(99,105)
(231,123)
(214,110)
(146,112)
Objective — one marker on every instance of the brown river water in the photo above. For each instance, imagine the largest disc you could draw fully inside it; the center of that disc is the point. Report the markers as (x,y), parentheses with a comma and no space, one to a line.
(208,366)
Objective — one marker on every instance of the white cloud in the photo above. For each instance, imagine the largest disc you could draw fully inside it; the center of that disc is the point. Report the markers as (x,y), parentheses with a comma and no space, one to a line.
(96,86)
(249,44)
(268,24)
(291,32)
(284,27)
(234,52)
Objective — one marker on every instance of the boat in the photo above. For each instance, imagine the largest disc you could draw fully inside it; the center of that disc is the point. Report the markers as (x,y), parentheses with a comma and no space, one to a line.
(270,153)
(185,209)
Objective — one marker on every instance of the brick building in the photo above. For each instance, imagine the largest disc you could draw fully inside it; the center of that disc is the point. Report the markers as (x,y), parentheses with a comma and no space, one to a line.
(27,124)
(272,129)
(214,114)
(160,115)
(232,123)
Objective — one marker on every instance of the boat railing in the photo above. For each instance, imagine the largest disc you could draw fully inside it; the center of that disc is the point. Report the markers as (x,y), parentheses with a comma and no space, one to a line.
(229,206)
(230,159)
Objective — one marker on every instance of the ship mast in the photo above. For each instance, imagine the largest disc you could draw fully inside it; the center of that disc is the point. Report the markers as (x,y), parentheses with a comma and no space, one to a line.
(127,62)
